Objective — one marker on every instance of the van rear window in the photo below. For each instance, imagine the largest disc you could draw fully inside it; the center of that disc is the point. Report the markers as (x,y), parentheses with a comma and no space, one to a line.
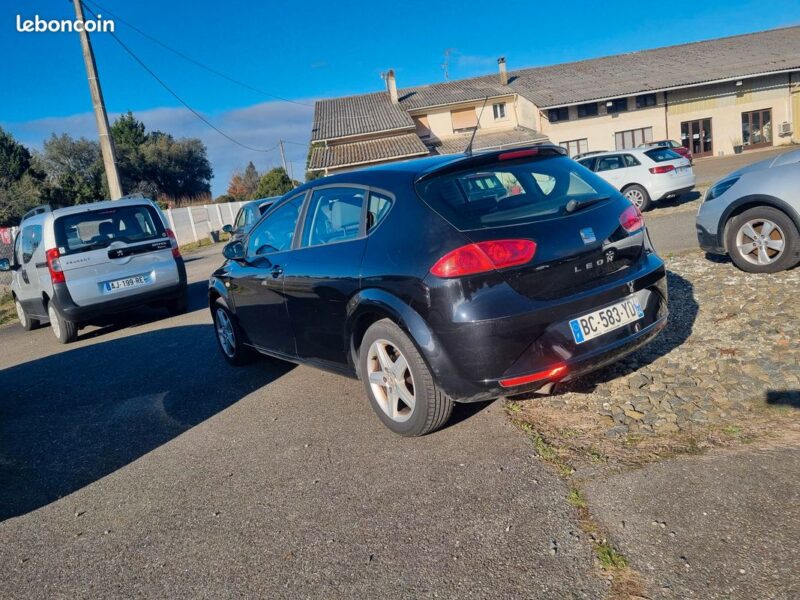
(97,229)
(662,154)
(512,192)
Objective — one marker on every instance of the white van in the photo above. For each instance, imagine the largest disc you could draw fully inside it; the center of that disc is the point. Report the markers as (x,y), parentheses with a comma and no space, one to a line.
(72,265)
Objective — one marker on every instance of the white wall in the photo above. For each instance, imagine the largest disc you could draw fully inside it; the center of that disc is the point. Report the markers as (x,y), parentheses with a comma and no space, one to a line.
(195,223)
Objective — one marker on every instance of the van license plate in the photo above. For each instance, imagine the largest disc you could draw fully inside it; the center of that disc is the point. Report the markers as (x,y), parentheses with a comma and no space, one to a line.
(607,319)
(128,282)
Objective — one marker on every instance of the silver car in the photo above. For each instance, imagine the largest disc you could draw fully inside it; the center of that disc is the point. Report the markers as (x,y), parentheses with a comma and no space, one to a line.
(753,215)
(73,265)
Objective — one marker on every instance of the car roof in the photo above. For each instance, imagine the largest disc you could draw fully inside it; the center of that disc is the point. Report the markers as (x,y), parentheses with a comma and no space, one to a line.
(625,151)
(262,201)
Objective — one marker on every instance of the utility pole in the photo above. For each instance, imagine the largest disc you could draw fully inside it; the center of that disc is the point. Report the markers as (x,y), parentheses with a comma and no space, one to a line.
(106,142)
(283,156)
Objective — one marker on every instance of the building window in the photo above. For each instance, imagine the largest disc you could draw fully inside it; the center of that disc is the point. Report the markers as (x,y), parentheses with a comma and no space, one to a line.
(558,114)
(633,138)
(587,110)
(499,111)
(464,119)
(757,128)
(645,100)
(618,105)
(576,146)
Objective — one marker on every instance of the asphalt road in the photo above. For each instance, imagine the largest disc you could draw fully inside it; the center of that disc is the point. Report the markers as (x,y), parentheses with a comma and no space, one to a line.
(135,462)
(672,233)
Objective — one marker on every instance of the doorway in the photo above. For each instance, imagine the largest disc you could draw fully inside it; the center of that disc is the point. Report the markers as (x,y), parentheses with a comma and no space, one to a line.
(696,136)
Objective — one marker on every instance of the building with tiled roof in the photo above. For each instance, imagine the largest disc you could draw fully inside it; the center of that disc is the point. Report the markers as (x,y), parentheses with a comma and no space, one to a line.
(711,96)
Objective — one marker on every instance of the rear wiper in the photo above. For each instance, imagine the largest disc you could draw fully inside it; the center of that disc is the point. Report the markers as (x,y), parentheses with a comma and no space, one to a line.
(574,205)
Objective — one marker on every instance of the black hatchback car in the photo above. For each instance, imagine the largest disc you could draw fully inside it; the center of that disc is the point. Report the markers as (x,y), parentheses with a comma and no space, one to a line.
(445,279)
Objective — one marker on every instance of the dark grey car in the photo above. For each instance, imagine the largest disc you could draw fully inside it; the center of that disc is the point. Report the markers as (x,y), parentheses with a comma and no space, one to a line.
(247,217)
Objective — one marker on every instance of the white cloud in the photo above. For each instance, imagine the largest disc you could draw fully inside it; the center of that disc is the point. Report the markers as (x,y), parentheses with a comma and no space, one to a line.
(259,126)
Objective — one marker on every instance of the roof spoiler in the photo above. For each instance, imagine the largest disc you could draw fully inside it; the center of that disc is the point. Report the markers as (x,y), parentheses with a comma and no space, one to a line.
(494,156)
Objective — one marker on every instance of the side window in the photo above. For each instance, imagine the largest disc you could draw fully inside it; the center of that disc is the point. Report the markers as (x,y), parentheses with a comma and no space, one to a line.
(31,238)
(630,161)
(609,163)
(588,163)
(239,222)
(378,208)
(252,215)
(334,215)
(276,232)
(18,249)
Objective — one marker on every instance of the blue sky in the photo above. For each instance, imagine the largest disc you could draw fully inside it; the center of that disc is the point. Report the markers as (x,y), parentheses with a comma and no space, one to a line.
(313,49)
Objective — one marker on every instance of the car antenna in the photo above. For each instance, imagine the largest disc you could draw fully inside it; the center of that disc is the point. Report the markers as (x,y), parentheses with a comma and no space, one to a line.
(468,149)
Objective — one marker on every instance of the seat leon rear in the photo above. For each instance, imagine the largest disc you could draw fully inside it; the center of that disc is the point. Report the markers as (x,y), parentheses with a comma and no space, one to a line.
(445,279)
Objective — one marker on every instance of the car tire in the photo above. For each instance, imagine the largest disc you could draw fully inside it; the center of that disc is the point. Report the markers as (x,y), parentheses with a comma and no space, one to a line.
(24,319)
(638,195)
(229,336)
(66,331)
(179,305)
(755,250)
(392,390)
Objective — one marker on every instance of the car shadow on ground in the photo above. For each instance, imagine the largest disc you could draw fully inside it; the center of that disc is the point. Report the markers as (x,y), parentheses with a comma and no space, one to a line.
(783,398)
(198,300)
(683,309)
(71,418)
(673,202)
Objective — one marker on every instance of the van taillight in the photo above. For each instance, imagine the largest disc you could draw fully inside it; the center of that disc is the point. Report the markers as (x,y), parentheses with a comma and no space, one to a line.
(631,219)
(661,169)
(176,252)
(484,256)
(54,266)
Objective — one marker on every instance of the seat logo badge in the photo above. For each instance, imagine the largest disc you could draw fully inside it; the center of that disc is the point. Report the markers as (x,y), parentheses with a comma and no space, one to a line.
(610,256)
(587,235)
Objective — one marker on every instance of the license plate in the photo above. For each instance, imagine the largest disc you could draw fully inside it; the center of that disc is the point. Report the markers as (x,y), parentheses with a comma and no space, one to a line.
(128,282)
(607,319)
(681,170)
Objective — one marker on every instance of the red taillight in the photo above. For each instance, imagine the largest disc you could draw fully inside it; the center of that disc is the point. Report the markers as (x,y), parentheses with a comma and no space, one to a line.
(484,256)
(555,373)
(631,219)
(54,266)
(176,252)
(661,169)
(518,154)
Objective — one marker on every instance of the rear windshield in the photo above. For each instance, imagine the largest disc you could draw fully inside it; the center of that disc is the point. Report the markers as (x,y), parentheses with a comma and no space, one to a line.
(513,192)
(96,229)
(662,154)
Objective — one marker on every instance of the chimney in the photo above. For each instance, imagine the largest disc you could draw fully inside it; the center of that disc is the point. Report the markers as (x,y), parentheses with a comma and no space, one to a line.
(501,64)
(391,85)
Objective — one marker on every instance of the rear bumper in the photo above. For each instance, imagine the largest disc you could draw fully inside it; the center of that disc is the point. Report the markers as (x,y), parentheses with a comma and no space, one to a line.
(73,312)
(552,343)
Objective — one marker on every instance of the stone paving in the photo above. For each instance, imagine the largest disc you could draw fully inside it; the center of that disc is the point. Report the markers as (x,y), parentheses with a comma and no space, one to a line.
(731,349)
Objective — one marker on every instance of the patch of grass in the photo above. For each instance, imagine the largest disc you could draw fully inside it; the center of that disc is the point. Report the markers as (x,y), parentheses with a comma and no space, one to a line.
(610,559)
(732,430)
(545,451)
(7,311)
(513,407)
(576,499)
(596,456)
(195,245)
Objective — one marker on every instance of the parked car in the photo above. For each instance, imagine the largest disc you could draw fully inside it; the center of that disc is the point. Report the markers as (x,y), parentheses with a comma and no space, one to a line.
(585,154)
(432,294)
(676,147)
(644,175)
(73,265)
(753,215)
(247,216)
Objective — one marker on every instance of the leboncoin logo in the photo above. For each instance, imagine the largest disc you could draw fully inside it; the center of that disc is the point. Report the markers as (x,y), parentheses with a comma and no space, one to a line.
(39,25)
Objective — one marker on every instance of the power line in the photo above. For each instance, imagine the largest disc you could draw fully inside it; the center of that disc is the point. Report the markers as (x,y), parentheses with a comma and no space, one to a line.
(177,97)
(195,61)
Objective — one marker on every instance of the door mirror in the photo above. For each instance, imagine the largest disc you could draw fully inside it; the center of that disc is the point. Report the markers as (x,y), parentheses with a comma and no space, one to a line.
(227,228)
(234,250)
(4,264)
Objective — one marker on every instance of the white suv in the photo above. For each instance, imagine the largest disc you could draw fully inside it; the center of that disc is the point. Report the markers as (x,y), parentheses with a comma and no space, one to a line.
(72,265)
(644,175)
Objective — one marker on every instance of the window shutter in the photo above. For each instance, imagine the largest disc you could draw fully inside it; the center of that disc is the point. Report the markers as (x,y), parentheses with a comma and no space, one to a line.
(464,118)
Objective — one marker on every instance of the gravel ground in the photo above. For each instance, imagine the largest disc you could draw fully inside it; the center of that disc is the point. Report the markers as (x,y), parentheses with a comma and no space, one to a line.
(727,365)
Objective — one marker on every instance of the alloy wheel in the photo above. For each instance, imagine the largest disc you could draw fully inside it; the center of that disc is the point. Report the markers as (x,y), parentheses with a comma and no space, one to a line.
(54,322)
(760,241)
(391,380)
(225,334)
(635,196)
(23,318)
